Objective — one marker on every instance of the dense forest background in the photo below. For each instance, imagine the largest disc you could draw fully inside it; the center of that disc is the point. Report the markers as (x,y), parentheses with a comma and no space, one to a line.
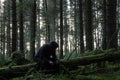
(77,25)
(87,31)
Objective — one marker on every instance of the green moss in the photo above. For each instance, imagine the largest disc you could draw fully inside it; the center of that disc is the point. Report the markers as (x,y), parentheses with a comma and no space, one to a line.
(89,77)
(18,57)
(94,52)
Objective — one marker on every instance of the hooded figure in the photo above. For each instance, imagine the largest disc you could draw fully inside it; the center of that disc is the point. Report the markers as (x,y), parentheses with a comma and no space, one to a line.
(46,56)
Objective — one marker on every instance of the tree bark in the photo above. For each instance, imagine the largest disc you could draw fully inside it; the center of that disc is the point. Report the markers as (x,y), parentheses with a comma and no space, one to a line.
(21,26)
(111,24)
(33,29)
(88,25)
(81,33)
(61,29)
(14,26)
(8,29)
(104,42)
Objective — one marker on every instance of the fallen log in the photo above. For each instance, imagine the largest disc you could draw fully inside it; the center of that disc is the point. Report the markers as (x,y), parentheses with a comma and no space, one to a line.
(15,71)
(86,60)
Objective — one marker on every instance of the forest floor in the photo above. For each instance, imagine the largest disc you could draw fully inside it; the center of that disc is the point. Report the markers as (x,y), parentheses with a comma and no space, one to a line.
(109,71)
(73,75)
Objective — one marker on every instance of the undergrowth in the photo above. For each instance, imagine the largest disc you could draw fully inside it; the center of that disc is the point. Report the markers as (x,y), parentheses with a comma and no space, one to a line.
(110,75)
(39,76)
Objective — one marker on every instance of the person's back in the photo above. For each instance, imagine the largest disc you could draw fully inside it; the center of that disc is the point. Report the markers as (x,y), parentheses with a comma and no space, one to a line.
(42,52)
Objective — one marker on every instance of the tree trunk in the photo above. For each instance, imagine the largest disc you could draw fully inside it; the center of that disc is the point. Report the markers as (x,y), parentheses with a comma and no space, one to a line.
(61,28)
(8,29)
(88,25)
(111,24)
(14,26)
(81,26)
(104,43)
(51,12)
(38,32)
(75,27)
(21,26)
(66,27)
(47,21)
(33,29)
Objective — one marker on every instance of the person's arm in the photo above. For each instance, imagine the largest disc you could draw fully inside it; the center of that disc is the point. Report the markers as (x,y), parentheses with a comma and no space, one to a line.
(54,56)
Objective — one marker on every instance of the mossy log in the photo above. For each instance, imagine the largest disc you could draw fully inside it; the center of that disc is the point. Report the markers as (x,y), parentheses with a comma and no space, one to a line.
(15,71)
(86,60)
